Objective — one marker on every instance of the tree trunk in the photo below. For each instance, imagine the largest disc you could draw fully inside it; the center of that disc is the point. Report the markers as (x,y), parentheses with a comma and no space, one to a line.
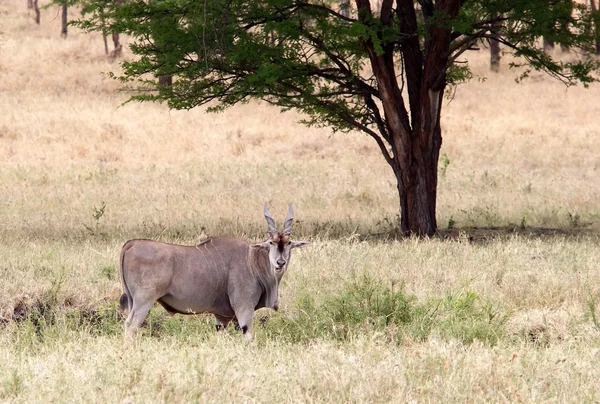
(37,12)
(117,44)
(596,16)
(63,30)
(415,140)
(417,185)
(166,80)
(29,3)
(105,38)
(495,45)
(116,37)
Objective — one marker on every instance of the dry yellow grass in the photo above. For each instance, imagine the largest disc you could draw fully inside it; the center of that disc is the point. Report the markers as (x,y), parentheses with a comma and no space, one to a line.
(527,154)
(519,156)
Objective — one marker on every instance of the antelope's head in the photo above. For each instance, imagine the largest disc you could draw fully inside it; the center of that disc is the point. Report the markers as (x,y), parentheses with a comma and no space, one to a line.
(280,244)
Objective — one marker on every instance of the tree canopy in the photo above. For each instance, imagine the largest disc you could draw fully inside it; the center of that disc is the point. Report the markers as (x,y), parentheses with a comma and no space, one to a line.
(344,70)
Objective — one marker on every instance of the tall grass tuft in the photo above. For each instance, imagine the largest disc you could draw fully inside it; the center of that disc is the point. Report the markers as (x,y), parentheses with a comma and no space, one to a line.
(367,306)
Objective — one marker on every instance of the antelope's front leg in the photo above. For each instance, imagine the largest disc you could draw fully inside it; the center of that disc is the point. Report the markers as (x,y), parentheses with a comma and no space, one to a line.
(244,316)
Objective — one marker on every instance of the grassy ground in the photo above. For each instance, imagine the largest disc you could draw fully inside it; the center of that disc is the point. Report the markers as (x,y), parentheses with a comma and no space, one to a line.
(502,308)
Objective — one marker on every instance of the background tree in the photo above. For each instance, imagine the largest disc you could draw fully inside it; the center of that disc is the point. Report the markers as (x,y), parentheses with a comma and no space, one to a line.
(64,20)
(97,8)
(117,47)
(380,71)
(596,24)
(495,44)
(559,27)
(36,8)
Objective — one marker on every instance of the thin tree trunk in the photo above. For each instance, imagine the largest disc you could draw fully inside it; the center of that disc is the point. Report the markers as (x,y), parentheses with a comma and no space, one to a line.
(166,80)
(117,44)
(115,36)
(596,16)
(105,38)
(37,12)
(29,3)
(63,30)
(495,45)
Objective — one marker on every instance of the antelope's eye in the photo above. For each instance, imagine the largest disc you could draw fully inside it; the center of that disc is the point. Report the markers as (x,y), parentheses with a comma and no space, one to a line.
(271,242)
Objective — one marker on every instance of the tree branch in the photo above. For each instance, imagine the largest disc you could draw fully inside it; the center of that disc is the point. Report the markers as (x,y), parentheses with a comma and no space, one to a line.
(377,117)
(333,108)
(411,55)
(328,10)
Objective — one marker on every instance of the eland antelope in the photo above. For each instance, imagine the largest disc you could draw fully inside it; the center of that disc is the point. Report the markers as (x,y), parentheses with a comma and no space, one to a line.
(225,276)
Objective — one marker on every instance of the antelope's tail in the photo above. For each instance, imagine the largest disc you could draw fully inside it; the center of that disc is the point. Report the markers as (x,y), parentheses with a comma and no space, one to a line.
(126,300)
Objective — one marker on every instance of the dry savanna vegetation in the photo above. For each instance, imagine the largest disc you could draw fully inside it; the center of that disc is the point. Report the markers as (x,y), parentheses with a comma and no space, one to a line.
(504,306)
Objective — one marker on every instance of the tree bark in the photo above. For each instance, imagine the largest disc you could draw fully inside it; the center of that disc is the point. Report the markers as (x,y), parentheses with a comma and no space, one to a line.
(495,44)
(63,30)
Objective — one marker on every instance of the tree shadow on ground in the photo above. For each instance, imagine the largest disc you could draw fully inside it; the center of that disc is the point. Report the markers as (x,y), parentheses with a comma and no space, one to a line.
(383,231)
(484,234)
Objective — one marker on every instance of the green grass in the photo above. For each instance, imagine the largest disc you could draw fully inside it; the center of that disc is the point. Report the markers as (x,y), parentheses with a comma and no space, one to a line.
(358,321)
(362,307)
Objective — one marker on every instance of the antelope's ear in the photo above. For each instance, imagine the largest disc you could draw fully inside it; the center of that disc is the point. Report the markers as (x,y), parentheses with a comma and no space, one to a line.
(261,246)
(300,244)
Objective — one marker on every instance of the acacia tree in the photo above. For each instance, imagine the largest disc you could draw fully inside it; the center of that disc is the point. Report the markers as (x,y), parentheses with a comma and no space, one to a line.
(382,72)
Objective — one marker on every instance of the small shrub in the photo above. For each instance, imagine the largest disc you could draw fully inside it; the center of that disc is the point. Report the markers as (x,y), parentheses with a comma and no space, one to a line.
(103,320)
(364,306)
(462,316)
(591,313)
(196,327)
(573,219)
(443,164)
(367,302)
(451,223)
(97,213)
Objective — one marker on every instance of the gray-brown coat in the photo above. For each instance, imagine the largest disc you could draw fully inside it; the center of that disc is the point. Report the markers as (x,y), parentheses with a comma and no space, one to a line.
(228,277)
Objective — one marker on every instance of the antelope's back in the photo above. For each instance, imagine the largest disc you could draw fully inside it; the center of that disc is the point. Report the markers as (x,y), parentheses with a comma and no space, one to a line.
(193,275)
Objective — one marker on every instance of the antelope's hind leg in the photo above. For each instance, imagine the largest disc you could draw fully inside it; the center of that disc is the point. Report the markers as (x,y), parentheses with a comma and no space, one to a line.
(136,317)
(221,322)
